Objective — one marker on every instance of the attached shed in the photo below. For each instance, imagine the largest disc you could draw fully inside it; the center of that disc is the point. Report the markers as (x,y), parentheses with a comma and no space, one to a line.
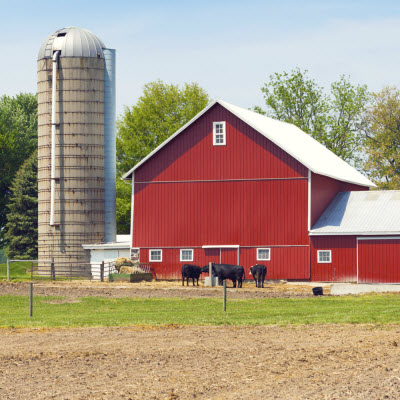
(357,239)
(234,186)
(108,252)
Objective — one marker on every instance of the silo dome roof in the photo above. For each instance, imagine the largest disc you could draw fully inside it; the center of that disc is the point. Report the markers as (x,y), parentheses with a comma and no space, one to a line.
(73,42)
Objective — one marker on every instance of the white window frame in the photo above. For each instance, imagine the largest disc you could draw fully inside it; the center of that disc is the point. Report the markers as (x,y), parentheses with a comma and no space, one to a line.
(269,254)
(219,133)
(324,251)
(182,250)
(150,259)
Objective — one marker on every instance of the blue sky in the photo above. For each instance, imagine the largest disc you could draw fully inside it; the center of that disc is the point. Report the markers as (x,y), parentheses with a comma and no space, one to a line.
(229,48)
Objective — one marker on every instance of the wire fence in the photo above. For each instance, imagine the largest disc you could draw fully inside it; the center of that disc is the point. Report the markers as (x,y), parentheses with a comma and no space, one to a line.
(56,271)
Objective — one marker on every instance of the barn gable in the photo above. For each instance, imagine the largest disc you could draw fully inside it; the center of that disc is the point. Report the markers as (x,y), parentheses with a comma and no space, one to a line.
(245,155)
(193,193)
(299,145)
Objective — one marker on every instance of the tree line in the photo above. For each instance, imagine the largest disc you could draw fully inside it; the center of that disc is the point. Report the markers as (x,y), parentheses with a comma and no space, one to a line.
(361,127)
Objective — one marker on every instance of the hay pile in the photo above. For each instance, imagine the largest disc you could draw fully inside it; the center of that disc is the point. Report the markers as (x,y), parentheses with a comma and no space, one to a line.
(126,266)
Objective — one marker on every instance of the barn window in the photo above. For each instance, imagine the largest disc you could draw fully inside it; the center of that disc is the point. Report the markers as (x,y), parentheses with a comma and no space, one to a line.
(219,134)
(155,255)
(263,254)
(186,255)
(324,256)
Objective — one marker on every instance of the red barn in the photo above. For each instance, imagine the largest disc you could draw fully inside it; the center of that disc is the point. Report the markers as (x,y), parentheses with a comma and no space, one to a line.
(236,187)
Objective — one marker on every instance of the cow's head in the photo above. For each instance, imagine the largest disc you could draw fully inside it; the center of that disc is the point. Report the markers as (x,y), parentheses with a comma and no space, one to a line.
(206,268)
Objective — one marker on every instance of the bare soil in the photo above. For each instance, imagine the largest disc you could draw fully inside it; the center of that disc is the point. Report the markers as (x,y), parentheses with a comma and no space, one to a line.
(162,289)
(216,363)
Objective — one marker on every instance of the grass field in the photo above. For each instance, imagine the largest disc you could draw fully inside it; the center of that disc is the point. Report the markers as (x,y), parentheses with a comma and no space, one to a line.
(98,311)
(18,270)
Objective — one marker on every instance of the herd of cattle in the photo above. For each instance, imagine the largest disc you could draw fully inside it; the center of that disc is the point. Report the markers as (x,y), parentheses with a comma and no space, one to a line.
(224,271)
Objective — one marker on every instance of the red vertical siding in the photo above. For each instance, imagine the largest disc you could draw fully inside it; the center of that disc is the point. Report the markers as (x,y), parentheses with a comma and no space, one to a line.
(229,256)
(378,261)
(192,156)
(285,263)
(249,192)
(247,213)
(323,191)
(344,259)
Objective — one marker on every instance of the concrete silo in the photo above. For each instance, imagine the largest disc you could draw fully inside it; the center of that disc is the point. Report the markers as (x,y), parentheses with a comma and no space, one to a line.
(76,146)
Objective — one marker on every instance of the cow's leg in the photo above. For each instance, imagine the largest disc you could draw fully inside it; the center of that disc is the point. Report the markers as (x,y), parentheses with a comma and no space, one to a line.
(187,280)
(198,281)
(183,280)
(220,280)
(193,281)
(234,282)
(262,281)
(240,282)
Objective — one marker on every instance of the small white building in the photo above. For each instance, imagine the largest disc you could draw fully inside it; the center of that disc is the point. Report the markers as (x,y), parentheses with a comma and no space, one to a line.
(107,252)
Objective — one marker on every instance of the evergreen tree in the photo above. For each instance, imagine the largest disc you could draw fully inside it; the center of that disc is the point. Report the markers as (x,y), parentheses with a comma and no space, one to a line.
(18,140)
(22,219)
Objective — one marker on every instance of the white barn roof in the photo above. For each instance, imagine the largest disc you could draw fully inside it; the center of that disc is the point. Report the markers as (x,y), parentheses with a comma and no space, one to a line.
(288,137)
(361,213)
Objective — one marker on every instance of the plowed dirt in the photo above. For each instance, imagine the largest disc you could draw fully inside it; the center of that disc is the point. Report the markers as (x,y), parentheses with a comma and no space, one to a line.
(77,289)
(216,363)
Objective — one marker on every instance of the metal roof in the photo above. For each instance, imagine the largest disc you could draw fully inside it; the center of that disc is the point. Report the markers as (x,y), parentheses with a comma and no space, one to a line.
(122,242)
(370,212)
(73,42)
(288,137)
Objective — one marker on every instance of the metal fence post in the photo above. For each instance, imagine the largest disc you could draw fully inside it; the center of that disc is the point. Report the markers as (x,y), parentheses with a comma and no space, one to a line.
(210,274)
(30,300)
(31,270)
(8,269)
(224,294)
(102,271)
(52,270)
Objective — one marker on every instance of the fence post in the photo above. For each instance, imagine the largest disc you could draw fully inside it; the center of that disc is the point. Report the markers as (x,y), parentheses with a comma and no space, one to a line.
(210,274)
(30,300)
(225,295)
(32,270)
(102,271)
(8,269)
(52,270)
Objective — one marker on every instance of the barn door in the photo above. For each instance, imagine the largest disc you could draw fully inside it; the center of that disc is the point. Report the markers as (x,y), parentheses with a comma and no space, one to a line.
(378,260)
(229,256)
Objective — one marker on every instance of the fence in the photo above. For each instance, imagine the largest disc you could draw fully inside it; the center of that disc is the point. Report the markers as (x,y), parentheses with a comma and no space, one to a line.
(50,270)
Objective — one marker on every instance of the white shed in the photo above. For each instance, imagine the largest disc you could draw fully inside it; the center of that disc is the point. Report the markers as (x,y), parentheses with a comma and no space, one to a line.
(108,252)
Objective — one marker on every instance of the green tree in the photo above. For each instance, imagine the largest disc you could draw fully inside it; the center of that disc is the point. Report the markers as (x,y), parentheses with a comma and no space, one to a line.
(160,111)
(336,120)
(22,219)
(18,139)
(382,143)
(124,192)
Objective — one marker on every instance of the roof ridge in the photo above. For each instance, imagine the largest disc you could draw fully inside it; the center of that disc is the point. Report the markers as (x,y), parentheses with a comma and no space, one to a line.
(290,138)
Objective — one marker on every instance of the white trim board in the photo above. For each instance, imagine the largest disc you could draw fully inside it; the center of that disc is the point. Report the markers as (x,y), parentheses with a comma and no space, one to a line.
(221,246)
(379,238)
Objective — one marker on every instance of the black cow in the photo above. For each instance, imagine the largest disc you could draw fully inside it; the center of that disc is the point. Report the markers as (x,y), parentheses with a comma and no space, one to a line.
(190,271)
(259,271)
(227,271)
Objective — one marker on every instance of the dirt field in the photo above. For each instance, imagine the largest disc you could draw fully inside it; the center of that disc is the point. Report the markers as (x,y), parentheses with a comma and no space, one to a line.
(76,289)
(310,362)
(208,363)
